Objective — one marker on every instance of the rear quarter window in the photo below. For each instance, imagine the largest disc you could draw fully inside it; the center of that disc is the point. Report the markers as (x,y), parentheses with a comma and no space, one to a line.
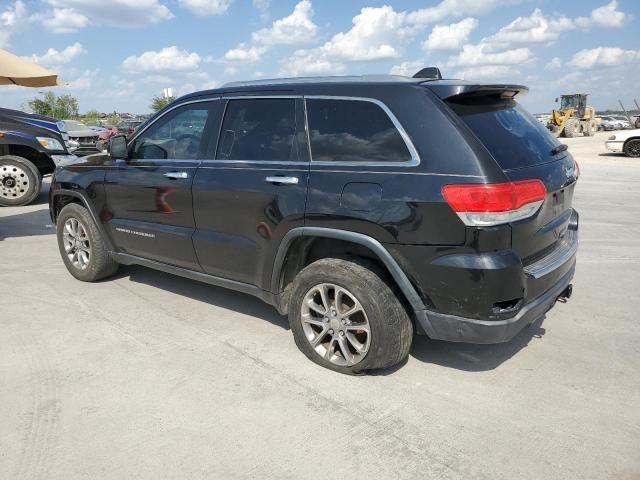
(353,131)
(511,134)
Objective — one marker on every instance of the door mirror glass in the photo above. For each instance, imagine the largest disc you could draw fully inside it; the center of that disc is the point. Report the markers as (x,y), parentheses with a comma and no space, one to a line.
(118,147)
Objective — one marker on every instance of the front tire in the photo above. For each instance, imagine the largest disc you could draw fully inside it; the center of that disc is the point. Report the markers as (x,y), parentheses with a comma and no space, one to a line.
(345,317)
(81,246)
(20,181)
(572,128)
(632,148)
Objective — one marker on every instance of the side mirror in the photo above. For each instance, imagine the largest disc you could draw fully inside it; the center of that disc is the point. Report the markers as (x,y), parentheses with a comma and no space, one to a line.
(118,147)
(556,99)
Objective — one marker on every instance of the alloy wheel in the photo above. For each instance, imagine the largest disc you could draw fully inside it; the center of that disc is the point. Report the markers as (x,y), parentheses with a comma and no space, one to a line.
(76,243)
(335,324)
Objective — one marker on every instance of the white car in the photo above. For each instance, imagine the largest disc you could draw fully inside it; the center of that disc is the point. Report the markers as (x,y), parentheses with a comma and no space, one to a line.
(627,141)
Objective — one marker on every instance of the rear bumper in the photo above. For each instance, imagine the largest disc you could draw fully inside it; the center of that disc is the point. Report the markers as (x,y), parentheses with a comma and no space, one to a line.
(459,329)
(614,146)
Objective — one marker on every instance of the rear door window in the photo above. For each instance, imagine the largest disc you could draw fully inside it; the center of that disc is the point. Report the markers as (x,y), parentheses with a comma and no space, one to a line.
(511,134)
(353,131)
(259,129)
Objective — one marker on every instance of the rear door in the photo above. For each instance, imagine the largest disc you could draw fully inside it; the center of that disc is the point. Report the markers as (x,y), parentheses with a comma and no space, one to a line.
(254,191)
(525,149)
(149,197)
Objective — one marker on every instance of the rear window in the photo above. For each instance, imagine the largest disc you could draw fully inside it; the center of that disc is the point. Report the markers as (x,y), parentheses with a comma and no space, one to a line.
(511,134)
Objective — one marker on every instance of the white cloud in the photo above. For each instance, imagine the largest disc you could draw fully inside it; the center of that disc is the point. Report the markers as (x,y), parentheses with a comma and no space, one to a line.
(11,19)
(603,57)
(167,59)
(481,54)
(118,12)
(62,20)
(554,64)
(450,37)
(375,35)
(537,28)
(606,16)
(304,62)
(263,7)
(206,8)
(407,68)
(245,53)
(493,72)
(84,81)
(53,57)
(455,9)
(293,29)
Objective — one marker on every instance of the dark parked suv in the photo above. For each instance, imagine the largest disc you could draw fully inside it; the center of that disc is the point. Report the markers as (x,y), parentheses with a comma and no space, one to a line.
(364,208)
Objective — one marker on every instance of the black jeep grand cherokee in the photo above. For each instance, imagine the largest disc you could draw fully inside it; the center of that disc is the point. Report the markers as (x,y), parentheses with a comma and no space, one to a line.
(364,208)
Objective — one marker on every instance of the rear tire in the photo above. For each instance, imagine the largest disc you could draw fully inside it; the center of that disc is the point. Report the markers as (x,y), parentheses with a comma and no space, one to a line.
(572,128)
(632,148)
(81,246)
(377,335)
(20,181)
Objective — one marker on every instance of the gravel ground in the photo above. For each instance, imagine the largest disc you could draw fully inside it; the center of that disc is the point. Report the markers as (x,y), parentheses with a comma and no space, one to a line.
(153,376)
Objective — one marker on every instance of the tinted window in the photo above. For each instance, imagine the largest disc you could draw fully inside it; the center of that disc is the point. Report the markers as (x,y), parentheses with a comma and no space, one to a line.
(177,135)
(353,131)
(259,129)
(512,135)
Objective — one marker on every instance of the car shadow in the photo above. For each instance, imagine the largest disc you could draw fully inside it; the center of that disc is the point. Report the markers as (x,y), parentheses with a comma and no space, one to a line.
(460,356)
(27,224)
(471,357)
(612,154)
(202,292)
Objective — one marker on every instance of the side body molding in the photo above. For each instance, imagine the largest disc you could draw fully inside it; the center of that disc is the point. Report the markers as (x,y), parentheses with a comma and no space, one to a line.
(372,244)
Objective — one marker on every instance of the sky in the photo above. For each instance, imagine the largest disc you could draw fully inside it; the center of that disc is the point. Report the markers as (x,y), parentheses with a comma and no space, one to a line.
(118,54)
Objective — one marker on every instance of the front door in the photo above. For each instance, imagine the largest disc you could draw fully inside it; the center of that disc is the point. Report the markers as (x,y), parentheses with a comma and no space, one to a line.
(149,195)
(254,191)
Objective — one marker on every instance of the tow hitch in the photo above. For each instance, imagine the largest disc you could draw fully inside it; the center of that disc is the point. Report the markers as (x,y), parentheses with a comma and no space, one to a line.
(566,294)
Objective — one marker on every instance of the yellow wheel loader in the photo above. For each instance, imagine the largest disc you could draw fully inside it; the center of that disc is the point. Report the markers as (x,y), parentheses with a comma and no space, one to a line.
(573,117)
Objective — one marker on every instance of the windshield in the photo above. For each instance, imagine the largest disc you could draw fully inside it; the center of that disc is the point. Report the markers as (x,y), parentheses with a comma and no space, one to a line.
(511,134)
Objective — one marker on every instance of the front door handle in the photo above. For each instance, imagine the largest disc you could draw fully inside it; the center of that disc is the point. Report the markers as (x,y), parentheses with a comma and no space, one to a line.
(279,180)
(176,175)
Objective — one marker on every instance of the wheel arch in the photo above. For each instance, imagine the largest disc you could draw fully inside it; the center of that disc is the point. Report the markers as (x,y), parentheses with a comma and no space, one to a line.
(60,198)
(301,238)
(629,139)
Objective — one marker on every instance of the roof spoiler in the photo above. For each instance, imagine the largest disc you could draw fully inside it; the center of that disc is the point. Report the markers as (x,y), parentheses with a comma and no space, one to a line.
(452,92)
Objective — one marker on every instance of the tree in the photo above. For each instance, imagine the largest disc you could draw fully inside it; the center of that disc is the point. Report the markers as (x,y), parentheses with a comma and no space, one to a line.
(50,105)
(91,116)
(158,103)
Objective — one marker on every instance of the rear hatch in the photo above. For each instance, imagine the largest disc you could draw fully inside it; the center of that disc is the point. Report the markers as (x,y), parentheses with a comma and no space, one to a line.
(524,149)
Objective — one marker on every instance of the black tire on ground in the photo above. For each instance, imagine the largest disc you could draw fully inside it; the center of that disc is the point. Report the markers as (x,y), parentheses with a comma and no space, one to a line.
(556,130)
(572,128)
(391,328)
(591,128)
(20,181)
(632,148)
(100,264)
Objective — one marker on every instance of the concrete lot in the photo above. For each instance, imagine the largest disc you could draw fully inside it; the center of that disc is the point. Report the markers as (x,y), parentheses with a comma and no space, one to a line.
(153,376)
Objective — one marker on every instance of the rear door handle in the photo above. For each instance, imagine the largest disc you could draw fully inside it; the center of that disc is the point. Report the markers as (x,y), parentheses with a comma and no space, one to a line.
(282,180)
(176,175)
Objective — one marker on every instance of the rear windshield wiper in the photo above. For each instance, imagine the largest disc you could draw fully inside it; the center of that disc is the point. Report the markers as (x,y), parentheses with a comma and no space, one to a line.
(559,149)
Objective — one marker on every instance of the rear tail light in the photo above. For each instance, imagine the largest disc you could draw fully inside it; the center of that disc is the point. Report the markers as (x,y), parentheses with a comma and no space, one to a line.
(487,204)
